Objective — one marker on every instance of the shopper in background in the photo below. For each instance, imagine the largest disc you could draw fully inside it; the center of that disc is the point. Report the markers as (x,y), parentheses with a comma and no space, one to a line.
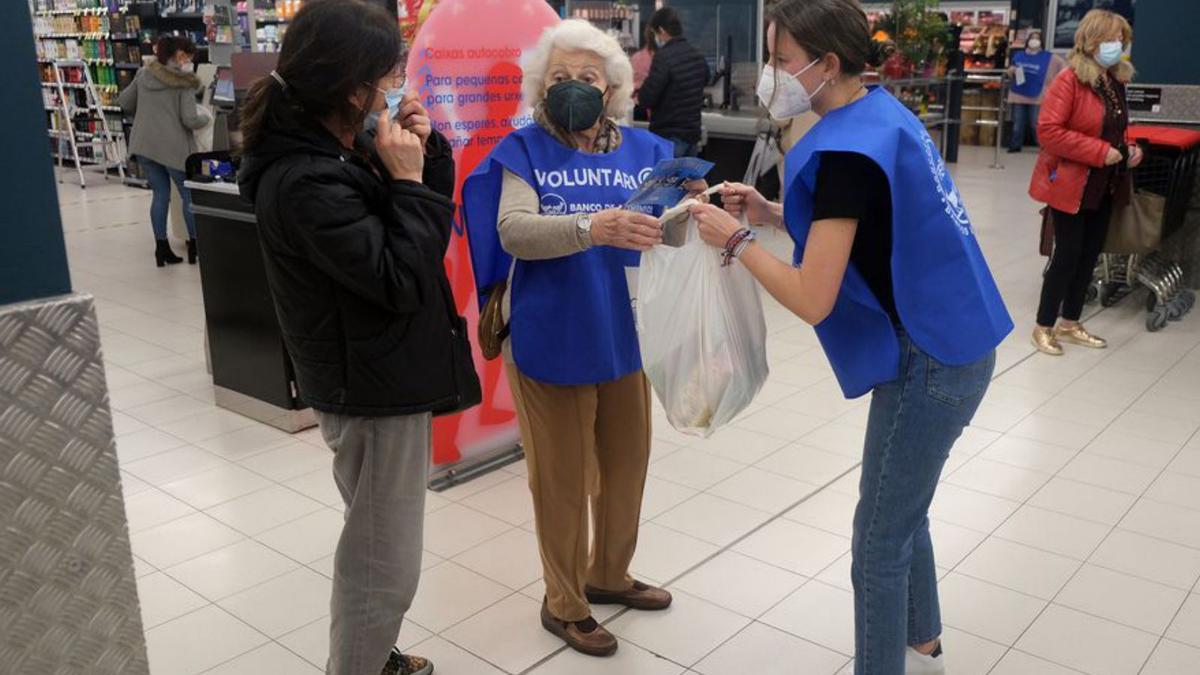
(1037,66)
(673,92)
(1081,171)
(871,206)
(162,101)
(641,61)
(574,365)
(354,231)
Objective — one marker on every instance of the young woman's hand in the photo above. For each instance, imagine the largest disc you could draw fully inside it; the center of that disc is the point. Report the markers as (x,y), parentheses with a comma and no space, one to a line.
(1136,155)
(414,117)
(740,199)
(626,229)
(400,150)
(716,225)
(697,188)
(1113,158)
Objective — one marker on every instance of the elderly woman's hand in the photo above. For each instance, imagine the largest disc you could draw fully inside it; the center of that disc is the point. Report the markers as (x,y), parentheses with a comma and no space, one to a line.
(716,226)
(626,229)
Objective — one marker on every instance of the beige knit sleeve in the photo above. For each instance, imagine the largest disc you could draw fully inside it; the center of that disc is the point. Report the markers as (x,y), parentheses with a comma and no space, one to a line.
(528,235)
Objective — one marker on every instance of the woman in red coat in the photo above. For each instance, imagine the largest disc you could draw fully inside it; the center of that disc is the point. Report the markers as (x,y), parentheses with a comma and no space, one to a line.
(1082,170)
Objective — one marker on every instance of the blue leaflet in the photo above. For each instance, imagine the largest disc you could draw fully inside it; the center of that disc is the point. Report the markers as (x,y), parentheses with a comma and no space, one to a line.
(664,185)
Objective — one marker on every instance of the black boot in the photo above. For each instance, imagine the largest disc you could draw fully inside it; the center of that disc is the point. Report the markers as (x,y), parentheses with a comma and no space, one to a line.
(191,248)
(163,255)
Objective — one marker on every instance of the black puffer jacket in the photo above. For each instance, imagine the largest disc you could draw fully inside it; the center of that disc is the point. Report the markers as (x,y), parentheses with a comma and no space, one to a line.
(674,90)
(355,265)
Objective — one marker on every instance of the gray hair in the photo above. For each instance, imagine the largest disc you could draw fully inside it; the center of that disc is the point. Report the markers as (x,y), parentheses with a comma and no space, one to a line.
(579,35)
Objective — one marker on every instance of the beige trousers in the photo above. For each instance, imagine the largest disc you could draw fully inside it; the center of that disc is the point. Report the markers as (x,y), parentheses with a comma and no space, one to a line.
(585,445)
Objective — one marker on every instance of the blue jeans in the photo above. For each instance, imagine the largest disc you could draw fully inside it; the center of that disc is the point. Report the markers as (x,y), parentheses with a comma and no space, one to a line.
(913,423)
(160,178)
(1024,117)
(684,148)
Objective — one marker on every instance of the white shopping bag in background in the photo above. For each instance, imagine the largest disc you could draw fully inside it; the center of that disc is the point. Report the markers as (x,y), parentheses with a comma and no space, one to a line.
(702,333)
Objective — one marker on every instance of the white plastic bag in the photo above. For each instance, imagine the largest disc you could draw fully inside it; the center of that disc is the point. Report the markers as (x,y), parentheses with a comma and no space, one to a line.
(702,334)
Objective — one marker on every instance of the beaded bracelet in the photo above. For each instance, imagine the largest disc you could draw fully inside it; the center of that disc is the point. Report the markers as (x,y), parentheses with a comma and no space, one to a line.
(736,244)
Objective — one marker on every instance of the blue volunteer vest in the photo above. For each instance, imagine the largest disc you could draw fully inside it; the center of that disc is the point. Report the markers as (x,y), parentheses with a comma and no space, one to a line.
(1035,67)
(572,321)
(945,295)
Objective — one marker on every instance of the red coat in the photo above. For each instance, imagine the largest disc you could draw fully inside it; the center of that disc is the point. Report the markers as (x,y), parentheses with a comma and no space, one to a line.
(1069,127)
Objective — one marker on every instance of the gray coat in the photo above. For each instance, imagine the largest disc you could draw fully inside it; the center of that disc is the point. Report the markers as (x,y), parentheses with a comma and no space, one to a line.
(162,101)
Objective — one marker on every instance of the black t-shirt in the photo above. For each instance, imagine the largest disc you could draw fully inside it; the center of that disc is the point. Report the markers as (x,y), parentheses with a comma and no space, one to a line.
(850,185)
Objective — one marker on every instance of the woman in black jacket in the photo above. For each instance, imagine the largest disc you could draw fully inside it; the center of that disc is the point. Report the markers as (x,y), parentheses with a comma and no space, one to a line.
(354,229)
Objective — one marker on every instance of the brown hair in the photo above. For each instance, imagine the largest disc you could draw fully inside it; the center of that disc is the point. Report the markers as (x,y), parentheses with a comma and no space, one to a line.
(831,27)
(1097,26)
(332,49)
(169,45)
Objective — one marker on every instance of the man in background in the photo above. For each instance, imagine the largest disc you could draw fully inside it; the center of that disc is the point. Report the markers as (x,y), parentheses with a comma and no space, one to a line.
(674,89)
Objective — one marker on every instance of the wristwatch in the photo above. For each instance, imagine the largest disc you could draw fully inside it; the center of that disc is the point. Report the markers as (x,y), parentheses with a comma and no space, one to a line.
(584,224)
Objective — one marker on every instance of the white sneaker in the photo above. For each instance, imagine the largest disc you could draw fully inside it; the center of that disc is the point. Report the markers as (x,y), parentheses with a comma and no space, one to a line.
(916,663)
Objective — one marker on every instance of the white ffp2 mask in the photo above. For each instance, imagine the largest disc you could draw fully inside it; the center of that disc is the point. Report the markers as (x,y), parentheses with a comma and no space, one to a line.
(791,98)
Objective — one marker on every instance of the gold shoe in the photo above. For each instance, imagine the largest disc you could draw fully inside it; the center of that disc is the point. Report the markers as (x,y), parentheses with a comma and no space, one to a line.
(1077,335)
(1044,340)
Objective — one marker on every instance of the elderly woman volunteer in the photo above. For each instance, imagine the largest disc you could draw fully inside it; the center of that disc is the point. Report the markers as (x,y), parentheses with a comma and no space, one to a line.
(549,196)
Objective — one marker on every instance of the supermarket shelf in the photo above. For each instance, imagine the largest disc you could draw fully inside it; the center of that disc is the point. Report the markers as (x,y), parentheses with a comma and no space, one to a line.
(73,36)
(65,85)
(81,11)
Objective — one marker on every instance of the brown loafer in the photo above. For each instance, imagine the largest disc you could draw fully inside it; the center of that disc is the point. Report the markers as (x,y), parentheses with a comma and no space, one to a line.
(641,596)
(594,642)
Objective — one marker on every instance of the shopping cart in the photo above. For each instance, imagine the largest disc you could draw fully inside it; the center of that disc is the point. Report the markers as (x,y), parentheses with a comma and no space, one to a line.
(1169,170)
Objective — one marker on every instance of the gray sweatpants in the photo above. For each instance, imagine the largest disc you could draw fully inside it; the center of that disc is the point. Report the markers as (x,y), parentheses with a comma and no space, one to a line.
(381,466)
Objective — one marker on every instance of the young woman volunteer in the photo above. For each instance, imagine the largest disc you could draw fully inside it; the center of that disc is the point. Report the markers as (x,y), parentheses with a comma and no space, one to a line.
(888,269)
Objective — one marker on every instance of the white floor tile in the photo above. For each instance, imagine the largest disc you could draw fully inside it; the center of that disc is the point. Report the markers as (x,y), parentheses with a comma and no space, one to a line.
(1133,448)
(153,507)
(450,659)
(684,633)
(1172,658)
(216,486)
(987,610)
(174,465)
(1020,663)
(764,650)
(306,539)
(311,642)
(1149,558)
(511,558)
(282,604)
(740,583)
(840,439)
(1177,489)
(953,543)
(999,480)
(712,519)
(182,539)
(509,501)
(809,465)
(319,485)
(1087,643)
(1187,462)
(630,659)
(145,443)
(450,593)
(819,613)
(794,547)
(508,634)
(269,658)
(826,510)
(289,461)
(1165,521)
(169,410)
(1112,474)
(968,508)
(740,445)
(1155,427)
(695,469)
(838,574)
(1124,599)
(163,598)
(1054,532)
(243,443)
(456,529)
(260,511)
(1029,454)
(199,641)
(966,654)
(206,425)
(660,496)
(232,569)
(780,423)
(663,554)
(762,490)
(1081,500)
(1019,568)
(1186,626)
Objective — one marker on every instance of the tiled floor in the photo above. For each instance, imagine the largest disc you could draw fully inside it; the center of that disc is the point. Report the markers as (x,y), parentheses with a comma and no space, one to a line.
(1067,530)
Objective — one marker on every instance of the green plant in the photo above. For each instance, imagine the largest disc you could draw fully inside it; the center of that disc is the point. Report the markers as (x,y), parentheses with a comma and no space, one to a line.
(916,27)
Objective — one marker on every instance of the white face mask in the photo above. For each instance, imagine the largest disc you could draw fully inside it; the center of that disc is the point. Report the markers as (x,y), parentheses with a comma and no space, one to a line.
(791,99)
(1034,44)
